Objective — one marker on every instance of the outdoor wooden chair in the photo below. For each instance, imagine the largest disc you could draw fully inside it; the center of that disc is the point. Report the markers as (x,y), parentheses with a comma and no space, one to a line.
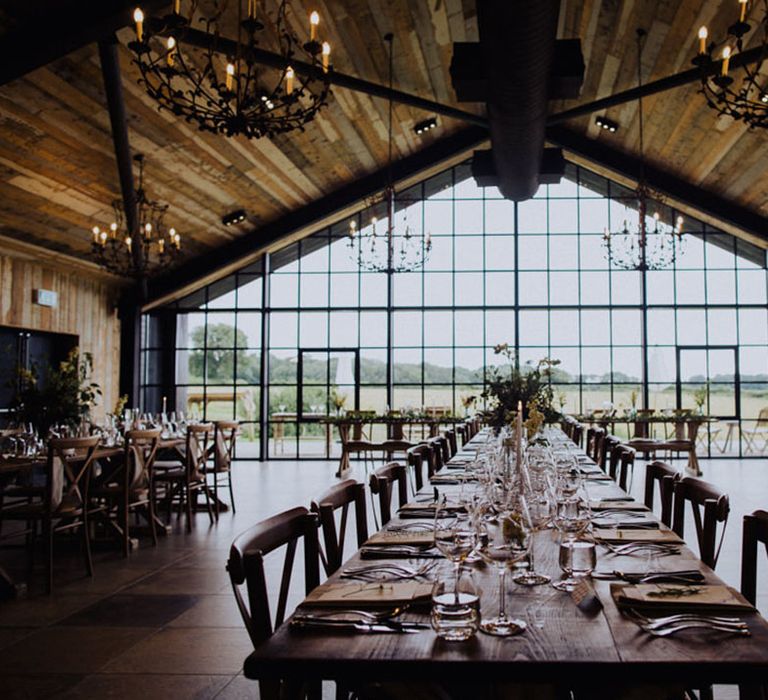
(665,476)
(610,443)
(339,498)
(246,569)
(595,441)
(63,506)
(758,432)
(577,433)
(709,506)
(382,483)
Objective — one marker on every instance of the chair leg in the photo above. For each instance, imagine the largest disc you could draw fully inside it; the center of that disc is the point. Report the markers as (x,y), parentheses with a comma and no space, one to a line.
(187,491)
(231,492)
(125,517)
(87,543)
(48,536)
(208,504)
(216,494)
(151,510)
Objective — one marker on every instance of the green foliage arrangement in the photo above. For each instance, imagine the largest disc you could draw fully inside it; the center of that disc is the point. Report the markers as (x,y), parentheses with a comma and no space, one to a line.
(510,384)
(65,398)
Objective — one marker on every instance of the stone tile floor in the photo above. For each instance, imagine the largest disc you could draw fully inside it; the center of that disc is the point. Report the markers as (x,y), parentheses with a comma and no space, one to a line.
(163,623)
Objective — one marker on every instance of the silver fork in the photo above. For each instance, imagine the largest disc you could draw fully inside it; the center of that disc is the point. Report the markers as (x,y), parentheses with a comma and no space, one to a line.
(656,622)
(634,547)
(697,624)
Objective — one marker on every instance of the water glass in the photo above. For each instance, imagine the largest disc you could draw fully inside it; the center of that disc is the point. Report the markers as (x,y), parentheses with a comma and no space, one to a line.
(456,608)
(578,559)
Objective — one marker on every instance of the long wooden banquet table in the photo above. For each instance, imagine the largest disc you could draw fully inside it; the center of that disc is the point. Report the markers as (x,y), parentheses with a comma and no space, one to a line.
(562,644)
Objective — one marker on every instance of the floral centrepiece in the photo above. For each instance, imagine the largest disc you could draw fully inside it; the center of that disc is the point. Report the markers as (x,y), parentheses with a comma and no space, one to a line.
(511,384)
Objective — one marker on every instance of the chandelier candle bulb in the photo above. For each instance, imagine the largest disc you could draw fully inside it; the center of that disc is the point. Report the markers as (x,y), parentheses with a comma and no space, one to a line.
(703,40)
(103,238)
(230,76)
(138,17)
(177,6)
(326,55)
(113,229)
(726,60)
(128,242)
(314,20)
(289,75)
(96,234)
(743,15)
(171,46)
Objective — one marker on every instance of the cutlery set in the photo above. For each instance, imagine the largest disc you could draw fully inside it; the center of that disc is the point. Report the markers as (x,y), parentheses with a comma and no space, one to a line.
(691,576)
(388,572)
(661,549)
(672,624)
(358,621)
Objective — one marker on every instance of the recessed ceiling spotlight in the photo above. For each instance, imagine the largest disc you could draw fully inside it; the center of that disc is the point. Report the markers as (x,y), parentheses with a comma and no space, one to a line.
(607,124)
(234,217)
(426,125)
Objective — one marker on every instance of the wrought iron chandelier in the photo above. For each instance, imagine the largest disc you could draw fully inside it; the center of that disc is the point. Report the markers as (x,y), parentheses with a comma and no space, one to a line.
(392,245)
(742,94)
(115,247)
(650,243)
(217,78)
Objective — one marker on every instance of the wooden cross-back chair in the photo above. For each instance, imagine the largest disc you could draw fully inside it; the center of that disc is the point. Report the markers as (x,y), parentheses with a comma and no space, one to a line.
(577,433)
(185,479)
(64,503)
(710,506)
(128,486)
(758,432)
(610,443)
(382,482)
(246,568)
(441,450)
(621,466)
(666,476)
(223,448)
(595,440)
(357,436)
(755,530)
(419,457)
(340,497)
(450,436)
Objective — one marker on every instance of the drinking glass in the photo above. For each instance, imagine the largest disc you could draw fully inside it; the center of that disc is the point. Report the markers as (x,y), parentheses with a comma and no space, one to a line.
(503,543)
(455,535)
(572,517)
(540,514)
(456,608)
(577,559)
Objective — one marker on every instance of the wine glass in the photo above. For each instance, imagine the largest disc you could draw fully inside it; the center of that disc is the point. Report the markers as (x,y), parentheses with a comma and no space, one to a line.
(503,543)
(540,515)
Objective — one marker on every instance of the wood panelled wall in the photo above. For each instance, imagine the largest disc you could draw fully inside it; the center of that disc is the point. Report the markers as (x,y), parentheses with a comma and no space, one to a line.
(86,308)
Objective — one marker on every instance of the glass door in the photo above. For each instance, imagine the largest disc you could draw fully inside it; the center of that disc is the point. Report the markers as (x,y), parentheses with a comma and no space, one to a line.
(328,384)
(708,383)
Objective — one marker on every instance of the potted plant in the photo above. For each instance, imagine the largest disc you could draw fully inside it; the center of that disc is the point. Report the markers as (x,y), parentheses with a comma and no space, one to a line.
(66,397)
(511,384)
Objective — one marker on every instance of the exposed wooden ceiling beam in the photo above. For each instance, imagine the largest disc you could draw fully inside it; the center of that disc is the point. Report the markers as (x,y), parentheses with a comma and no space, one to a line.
(690,198)
(334,206)
(64,27)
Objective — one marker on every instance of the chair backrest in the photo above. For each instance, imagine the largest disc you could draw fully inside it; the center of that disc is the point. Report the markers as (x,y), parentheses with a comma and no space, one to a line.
(577,432)
(69,467)
(666,476)
(382,482)
(140,452)
(610,443)
(246,566)
(340,497)
(418,457)
(715,505)
(450,436)
(762,418)
(755,530)
(595,442)
(197,451)
(621,464)
(440,453)
(224,442)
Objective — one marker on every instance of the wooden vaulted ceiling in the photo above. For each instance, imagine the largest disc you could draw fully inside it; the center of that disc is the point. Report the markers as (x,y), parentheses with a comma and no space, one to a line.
(58,173)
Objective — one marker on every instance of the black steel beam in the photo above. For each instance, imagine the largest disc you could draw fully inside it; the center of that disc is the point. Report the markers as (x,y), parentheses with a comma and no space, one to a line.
(201,39)
(113,88)
(660,179)
(344,197)
(671,81)
(45,34)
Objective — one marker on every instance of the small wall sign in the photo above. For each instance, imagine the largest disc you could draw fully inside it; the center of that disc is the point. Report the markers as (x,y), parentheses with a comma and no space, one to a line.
(46,297)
